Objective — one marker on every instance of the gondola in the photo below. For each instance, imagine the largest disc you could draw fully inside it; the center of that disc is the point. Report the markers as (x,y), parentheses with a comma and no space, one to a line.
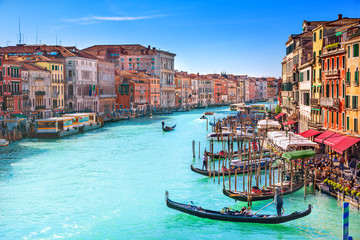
(166,128)
(222,155)
(232,172)
(234,216)
(203,117)
(243,196)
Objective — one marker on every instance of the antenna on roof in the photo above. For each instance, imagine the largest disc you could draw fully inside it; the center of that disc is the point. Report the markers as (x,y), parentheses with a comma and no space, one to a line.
(19,32)
(37,34)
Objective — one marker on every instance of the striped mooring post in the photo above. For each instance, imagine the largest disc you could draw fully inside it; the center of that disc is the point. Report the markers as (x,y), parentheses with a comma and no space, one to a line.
(345,220)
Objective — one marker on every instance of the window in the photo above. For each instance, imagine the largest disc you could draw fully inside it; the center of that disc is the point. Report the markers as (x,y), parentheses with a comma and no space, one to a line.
(337,118)
(332,63)
(327,90)
(153,59)
(314,55)
(355,125)
(332,117)
(138,59)
(52,67)
(337,90)
(332,90)
(314,36)
(319,52)
(348,75)
(320,73)
(343,89)
(357,76)
(328,64)
(343,62)
(349,51)
(343,120)
(320,34)
(130,59)
(122,59)
(327,119)
(347,101)
(354,102)
(337,62)
(314,75)
(301,76)
(347,123)
(356,50)
(308,75)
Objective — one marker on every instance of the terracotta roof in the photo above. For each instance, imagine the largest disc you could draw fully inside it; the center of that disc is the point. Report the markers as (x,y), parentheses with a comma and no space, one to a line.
(126,49)
(29,66)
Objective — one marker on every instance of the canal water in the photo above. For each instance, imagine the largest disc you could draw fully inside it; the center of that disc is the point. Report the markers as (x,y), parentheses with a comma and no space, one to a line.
(110,184)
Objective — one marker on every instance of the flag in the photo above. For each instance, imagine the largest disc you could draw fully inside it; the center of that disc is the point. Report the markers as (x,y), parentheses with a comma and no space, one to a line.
(89,91)
(94,89)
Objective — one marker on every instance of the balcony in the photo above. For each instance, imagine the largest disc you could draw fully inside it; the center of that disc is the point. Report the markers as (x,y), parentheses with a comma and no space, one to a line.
(332,73)
(314,124)
(287,94)
(332,46)
(39,78)
(40,107)
(330,102)
(39,93)
(314,102)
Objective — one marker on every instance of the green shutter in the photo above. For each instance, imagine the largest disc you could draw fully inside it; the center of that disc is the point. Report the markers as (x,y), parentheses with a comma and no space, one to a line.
(347,123)
(356,50)
(308,75)
(348,51)
(301,77)
(355,125)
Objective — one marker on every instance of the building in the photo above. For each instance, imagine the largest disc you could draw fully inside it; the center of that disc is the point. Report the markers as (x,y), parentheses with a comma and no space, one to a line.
(183,90)
(56,69)
(154,91)
(36,91)
(352,88)
(106,87)
(81,82)
(305,80)
(10,98)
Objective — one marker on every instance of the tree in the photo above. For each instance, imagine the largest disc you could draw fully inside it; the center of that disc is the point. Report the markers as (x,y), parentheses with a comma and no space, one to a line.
(277,109)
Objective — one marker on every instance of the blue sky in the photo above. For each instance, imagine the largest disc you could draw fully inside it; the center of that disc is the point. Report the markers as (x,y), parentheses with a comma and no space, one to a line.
(240,37)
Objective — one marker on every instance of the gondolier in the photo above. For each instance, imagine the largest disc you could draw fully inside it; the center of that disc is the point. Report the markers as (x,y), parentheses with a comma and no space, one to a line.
(278,201)
(205,161)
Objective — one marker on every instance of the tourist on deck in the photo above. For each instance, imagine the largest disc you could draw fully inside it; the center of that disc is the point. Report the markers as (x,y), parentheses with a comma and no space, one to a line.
(205,161)
(278,201)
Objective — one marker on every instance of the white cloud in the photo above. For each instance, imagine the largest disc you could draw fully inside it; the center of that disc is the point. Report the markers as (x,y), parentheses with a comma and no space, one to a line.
(91,19)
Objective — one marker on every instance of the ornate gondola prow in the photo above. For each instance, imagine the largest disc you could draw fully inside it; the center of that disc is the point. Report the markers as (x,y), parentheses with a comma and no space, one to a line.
(166,195)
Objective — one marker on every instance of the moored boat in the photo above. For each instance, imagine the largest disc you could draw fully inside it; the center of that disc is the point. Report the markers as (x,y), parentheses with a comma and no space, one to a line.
(55,127)
(3,142)
(262,194)
(238,166)
(209,113)
(234,216)
(85,121)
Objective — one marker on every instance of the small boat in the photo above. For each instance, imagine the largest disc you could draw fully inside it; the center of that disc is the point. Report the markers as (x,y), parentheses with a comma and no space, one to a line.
(265,194)
(166,128)
(239,167)
(222,155)
(209,113)
(234,216)
(203,117)
(4,142)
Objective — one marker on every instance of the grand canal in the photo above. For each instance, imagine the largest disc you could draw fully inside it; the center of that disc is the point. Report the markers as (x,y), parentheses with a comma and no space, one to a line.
(110,184)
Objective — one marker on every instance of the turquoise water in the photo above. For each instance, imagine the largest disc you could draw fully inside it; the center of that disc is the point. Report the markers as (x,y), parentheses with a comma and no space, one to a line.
(110,184)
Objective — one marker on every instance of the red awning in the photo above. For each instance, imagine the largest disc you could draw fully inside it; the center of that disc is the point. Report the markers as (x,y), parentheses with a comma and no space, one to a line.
(334,139)
(279,115)
(341,146)
(289,122)
(309,133)
(324,136)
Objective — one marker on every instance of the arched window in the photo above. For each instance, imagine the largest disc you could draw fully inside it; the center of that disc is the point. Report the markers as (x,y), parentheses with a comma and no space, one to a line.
(343,89)
(131,98)
(71,90)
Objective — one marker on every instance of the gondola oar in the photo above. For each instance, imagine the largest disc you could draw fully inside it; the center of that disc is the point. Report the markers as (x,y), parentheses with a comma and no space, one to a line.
(263,208)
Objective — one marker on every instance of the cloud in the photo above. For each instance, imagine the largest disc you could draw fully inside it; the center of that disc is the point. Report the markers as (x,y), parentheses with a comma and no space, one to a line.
(96,19)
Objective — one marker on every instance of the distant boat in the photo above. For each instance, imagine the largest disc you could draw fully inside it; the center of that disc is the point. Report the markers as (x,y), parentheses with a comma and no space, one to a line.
(166,128)
(203,117)
(209,113)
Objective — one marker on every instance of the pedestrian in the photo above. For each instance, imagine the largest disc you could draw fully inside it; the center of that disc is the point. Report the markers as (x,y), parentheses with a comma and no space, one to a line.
(352,166)
(278,201)
(205,160)
(342,161)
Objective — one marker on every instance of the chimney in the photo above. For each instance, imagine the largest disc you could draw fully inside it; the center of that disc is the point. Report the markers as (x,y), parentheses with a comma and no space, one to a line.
(339,16)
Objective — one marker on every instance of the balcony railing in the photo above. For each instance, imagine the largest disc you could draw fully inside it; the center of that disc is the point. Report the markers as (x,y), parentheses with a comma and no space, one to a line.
(329,102)
(314,101)
(314,124)
(332,73)
(40,107)
(39,93)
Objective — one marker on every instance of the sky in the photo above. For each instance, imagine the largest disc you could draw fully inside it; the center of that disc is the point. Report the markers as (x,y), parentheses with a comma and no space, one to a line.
(238,37)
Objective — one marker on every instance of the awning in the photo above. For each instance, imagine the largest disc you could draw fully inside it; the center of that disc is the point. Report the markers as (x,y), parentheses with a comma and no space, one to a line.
(334,139)
(309,133)
(279,115)
(299,154)
(289,122)
(345,144)
(324,136)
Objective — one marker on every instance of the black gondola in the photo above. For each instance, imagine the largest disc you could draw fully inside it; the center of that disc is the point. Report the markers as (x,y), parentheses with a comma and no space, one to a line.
(203,117)
(234,216)
(243,196)
(166,128)
(232,171)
